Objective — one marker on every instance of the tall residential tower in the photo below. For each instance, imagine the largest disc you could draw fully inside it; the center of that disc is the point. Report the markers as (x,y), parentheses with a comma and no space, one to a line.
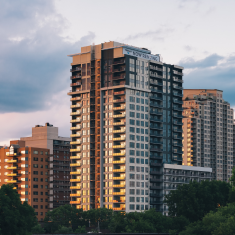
(126,109)
(208,132)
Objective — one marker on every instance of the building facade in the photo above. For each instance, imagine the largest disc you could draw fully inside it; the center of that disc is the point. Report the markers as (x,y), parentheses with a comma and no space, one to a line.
(59,161)
(27,169)
(126,117)
(208,132)
(175,175)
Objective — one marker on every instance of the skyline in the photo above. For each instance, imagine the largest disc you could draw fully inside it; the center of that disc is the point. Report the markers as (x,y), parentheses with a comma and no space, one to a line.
(38,36)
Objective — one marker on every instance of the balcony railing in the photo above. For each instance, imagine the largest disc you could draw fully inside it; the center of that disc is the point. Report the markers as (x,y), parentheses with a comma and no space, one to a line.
(75,172)
(75,164)
(119,162)
(75,157)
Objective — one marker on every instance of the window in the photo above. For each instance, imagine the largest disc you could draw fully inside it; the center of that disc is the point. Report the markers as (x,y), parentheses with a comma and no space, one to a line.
(132,199)
(132,122)
(132,114)
(132,137)
(35,179)
(35,206)
(35,159)
(132,176)
(35,186)
(137,107)
(35,172)
(132,152)
(132,160)
(132,191)
(132,207)
(35,152)
(35,193)
(132,107)
(35,165)
(132,129)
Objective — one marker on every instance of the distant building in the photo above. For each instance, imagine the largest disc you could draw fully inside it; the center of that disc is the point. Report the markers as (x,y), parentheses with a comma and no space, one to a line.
(208,132)
(175,175)
(47,137)
(27,169)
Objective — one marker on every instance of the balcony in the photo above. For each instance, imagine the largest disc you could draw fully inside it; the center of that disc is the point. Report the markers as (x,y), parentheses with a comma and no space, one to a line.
(75,120)
(119,70)
(119,178)
(119,77)
(120,100)
(119,162)
(11,181)
(11,161)
(119,146)
(119,62)
(76,105)
(156,90)
(76,127)
(119,193)
(76,142)
(119,138)
(177,94)
(12,174)
(76,84)
(119,93)
(177,73)
(75,113)
(177,87)
(75,195)
(75,150)
(119,201)
(119,209)
(119,185)
(75,202)
(75,172)
(119,170)
(120,107)
(120,154)
(155,75)
(120,131)
(11,167)
(175,79)
(119,123)
(76,76)
(119,115)
(75,164)
(155,68)
(75,98)
(75,69)
(75,157)
(75,187)
(76,135)
(75,180)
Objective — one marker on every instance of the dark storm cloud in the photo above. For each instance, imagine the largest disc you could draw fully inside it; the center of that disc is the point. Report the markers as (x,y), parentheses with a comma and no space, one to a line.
(33,59)
(208,74)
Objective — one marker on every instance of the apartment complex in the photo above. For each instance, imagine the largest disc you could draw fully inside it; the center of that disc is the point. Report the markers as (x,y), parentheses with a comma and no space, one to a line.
(59,161)
(208,132)
(175,175)
(126,109)
(27,169)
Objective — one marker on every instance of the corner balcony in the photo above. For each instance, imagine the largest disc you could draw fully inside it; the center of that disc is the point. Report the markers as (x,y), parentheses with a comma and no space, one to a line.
(75,157)
(76,135)
(119,185)
(119,162)
(12,174)
(120,154)
(76,106)
(122,146)
(11,181)
(119,209)
(75,113)
(119,115)
(120,107)
(122,130)
(76,127)
(11,161)
(119,170)
(75,98)
(75,195)
(119,178)
(75,202)
(75,84)
(75,180)
(119,138)
(75,172)
(119,193)
(75,187)
(75,150)
(120,100)
(75,164)
(76,120)
(119,201)
(76,142)
(119,123)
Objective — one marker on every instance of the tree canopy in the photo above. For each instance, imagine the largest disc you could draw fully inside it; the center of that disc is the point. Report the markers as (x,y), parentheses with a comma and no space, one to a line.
(15,218)
(195,200)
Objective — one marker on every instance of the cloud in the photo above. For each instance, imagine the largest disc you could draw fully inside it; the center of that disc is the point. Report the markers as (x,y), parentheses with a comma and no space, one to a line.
(33,60)
(209,74)
(209,61)
(158,35)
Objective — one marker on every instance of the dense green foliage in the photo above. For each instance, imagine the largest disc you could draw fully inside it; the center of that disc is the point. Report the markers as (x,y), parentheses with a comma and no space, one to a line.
(195,200)
(15,218)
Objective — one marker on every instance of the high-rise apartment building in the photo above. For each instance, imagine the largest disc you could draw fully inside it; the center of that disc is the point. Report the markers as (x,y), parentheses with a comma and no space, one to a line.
(208,132)
(59,161)
(126,109)
(27,169)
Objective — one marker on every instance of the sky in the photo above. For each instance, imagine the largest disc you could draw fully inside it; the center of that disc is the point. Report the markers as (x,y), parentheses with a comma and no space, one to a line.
(36,37)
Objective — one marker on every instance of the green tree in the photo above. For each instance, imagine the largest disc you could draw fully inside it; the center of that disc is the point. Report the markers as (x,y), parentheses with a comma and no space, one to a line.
(194,200)
(15,218)
(64,230)
(214,223)
(232,190)
(63,216)
(37,229)
(81,229)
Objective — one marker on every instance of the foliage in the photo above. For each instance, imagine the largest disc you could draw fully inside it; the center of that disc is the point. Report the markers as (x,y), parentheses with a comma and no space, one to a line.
(63,216)
(64,230)
(37,229)
(194,200)
(81,229)
(214,223)
(15,218)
